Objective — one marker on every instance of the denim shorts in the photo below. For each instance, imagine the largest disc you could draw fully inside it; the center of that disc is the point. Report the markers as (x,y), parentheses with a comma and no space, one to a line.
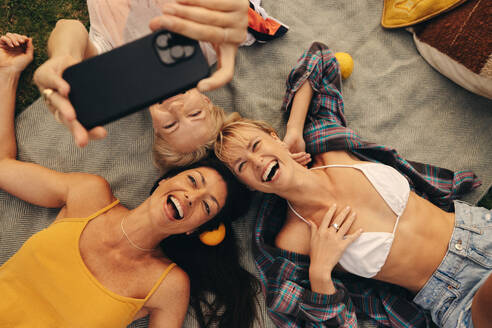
(448,294)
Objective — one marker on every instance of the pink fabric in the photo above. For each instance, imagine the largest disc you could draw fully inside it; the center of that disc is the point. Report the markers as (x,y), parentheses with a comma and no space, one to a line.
(116,22)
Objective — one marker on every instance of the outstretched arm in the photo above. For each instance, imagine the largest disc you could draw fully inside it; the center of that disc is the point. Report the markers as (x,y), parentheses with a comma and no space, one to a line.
(16,52)
(27,181)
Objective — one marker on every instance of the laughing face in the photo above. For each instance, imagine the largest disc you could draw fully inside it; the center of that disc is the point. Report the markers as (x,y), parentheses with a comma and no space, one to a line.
(184,121)
(260,160)
(188,200)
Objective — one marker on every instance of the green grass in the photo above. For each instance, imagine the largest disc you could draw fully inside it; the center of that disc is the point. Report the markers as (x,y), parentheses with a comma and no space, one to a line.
(36,18)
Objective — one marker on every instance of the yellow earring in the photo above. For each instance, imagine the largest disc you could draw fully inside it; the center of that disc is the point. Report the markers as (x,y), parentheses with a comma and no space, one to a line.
(214,237)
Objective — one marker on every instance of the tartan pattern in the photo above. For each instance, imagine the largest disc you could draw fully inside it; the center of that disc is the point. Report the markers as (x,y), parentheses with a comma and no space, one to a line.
(283,274)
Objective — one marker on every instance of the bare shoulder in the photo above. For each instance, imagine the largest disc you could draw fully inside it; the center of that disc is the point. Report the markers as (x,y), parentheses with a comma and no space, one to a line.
(87,193)
(169,303)
(335,157)
(175,285)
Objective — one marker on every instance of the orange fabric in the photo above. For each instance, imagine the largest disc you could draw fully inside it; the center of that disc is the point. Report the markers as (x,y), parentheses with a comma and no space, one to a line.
(46,284)
(257,23)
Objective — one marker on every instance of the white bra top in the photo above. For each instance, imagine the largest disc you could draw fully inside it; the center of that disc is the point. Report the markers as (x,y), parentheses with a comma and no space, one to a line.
(367,254)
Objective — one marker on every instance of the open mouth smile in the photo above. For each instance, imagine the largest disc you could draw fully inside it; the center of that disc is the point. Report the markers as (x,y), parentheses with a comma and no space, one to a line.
(174,207)
(270,171)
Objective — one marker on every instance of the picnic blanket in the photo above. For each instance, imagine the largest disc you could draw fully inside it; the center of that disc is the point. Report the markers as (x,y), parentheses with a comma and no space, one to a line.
(393,98)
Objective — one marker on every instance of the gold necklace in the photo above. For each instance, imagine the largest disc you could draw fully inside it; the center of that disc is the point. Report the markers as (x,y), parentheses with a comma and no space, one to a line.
(131,242)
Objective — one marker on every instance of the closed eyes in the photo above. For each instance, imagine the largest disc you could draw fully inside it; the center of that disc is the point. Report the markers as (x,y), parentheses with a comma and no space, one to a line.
(254,147)
(193,181)
(170,125)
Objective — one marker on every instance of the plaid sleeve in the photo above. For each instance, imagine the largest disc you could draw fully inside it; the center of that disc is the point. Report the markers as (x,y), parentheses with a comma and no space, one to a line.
(289,299)
(328,310)
(325,128)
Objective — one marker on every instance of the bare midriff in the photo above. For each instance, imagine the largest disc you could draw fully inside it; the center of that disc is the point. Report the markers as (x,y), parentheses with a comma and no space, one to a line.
(421,238)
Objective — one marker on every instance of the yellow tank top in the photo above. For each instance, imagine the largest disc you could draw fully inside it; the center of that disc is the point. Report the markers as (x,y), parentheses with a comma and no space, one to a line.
(47,284)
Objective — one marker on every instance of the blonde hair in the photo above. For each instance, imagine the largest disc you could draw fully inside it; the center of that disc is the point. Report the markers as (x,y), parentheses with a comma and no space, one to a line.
(230,135)
(165,156)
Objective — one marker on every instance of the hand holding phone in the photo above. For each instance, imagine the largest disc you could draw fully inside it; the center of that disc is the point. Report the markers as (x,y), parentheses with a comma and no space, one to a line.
(133,76)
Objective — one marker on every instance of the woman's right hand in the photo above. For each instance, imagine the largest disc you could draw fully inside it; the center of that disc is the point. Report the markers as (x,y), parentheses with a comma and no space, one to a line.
(49,76)
(16,52)
(224,23)
(328,242)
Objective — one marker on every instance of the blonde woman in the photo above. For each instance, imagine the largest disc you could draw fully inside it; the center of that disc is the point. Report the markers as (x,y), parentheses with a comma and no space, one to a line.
(221,24)
(360,211)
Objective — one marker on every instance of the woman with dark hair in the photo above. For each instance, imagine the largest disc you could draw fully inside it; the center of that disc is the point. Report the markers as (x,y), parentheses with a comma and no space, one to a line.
(407,231)
(216,269)
(99,263)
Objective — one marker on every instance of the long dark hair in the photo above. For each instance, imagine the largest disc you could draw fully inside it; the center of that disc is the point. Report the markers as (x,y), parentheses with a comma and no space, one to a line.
(216,269)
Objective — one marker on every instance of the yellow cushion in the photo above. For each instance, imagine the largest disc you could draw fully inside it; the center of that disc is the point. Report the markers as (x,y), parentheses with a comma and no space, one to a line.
(400,13)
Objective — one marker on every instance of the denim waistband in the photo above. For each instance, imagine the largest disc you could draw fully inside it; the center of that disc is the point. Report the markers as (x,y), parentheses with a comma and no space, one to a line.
(444,276)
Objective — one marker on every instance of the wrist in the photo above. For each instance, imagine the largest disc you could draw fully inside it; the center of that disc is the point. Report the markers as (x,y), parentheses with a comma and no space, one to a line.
(294,127)
(10,78)
(67,56)
(321,274)
(322,284)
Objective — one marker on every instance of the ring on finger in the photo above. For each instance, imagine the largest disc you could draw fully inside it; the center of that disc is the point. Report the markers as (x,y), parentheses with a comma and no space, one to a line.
(336,226)
(57,116)
(46,95)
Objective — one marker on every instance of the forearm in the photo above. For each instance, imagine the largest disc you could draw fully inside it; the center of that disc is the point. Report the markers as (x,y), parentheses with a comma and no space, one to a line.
(300,107)
(69,38)
(8,88)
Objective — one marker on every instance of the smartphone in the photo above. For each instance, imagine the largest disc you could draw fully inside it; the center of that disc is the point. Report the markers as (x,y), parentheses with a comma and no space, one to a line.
(126,79)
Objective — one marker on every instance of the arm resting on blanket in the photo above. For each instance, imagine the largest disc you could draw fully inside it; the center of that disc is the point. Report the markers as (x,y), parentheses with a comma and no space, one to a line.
(27,181)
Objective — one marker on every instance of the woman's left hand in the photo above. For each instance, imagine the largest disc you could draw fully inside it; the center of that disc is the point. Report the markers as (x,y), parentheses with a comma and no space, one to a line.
(222,22)
(16,52)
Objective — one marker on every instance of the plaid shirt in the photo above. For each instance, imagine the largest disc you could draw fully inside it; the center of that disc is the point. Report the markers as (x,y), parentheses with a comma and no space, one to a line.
(285,275)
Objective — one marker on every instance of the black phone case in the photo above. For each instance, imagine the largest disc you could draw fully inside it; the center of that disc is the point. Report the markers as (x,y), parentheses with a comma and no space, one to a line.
(129,78)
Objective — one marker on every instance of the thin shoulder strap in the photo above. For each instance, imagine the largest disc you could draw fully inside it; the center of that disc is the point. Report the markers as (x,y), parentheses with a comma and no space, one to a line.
(159,281)
(103,210)
(396,224)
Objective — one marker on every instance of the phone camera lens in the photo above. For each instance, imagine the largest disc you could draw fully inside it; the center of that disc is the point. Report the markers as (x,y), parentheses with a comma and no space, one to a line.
(166,57)
(189,51)
(177,52)
(162,40)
